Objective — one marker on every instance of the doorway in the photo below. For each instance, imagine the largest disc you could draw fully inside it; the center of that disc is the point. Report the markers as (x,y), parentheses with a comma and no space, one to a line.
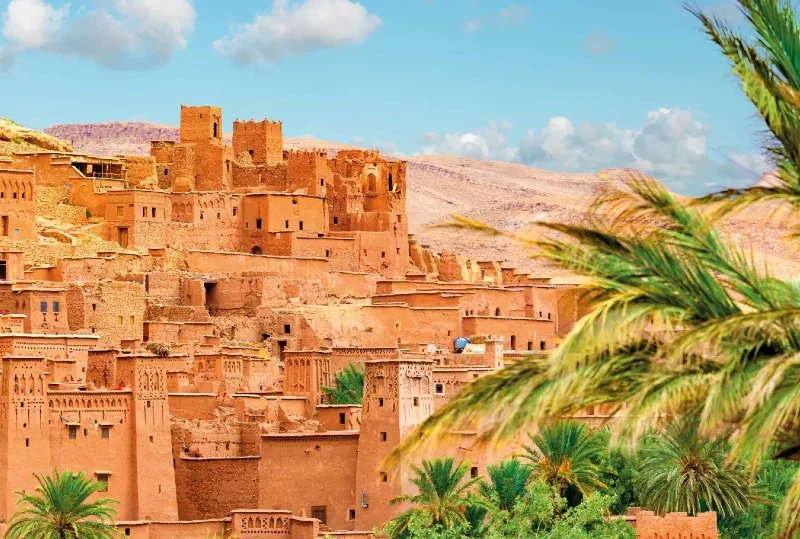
(122,236)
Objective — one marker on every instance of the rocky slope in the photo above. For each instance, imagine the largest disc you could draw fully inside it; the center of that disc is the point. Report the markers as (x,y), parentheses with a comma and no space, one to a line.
(16,138)
(508,196)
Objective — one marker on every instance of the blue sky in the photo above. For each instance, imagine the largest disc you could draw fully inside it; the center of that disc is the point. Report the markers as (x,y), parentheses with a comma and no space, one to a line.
(571,85)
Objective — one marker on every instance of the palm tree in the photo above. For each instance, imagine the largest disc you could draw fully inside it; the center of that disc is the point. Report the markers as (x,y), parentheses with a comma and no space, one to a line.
(683,322)
(679,470)
(348,387)
(59,509)
(565,455)
(507,483)
(442,498)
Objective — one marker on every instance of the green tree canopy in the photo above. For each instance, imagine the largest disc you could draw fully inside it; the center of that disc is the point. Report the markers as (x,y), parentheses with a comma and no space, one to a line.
(60,508)
(348,386)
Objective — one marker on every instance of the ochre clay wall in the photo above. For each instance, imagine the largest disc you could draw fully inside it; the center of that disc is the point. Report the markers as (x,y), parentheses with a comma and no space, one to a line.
(290,463)
(17,206)
(524,330)
(213,487)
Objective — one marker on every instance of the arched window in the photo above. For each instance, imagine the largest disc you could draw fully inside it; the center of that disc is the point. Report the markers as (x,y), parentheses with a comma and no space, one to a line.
(255,250)
(371,183)
(497,312)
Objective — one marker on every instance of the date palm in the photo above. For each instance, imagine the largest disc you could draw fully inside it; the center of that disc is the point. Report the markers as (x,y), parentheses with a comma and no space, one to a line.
(60,508)
(683,322)
(506,483)
(442,497)
(679,470)
(348,387)
(565,455)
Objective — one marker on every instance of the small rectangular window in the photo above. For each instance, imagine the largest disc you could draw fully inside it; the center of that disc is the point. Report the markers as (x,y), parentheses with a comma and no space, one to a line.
(384,477)
(473,472)
(287,224)
(43,306)
(152,212)
(335,220)
(73,432)
(383,254)
(105,432)
(351,514)
(287,328)
(439,389)
(416,401)
(235,211)
(384,436)
(56,306)
(144,211)
(301,225)
(102,478)
(380,402)
(258,223)
(27,442)
(342,418)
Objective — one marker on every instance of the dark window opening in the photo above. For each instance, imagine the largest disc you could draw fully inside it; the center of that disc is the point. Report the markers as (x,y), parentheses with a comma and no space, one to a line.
(335,220)
(351,514)
(105,433)
(542,345)
(530,345)
(416,401)
(27,442)
(383,254)
(43,306)
(144,212)
(548,316)
(384,477)
(235,211)
(513,342)
(380,402)
(166,172)
(56,306)
(384,436)
(391,183)
(287,328)
(322,181)
(153,212)
(439,389)
(301,225)
(327,253)
(258,223)
(497,312)
(473,472)
(251,152)
(320,513)
(3,274)
(255,250)
(214,130)
(342,418)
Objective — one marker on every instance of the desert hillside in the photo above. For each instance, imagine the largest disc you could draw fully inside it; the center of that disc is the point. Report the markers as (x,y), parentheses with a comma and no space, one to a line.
(16,138)
(508,196)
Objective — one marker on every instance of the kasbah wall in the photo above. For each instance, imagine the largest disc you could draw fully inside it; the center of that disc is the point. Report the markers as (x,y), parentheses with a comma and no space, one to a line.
(175,348)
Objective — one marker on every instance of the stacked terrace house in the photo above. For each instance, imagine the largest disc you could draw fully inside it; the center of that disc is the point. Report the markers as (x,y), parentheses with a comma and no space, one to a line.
(176,349)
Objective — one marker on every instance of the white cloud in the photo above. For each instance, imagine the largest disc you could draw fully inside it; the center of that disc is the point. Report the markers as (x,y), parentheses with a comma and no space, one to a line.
(598,42)
(513,14)
(298,28)
(671,145)
(471,25)
(126,34)
(487,143)
(31,24)
(510,15)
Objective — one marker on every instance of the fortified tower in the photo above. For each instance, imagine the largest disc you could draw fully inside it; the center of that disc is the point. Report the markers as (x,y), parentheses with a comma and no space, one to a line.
(156,497)
(397,398)
(24,430)
(262,140)
(202,126)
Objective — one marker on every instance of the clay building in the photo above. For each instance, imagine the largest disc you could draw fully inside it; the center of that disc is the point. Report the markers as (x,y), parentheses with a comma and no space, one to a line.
(174,344)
